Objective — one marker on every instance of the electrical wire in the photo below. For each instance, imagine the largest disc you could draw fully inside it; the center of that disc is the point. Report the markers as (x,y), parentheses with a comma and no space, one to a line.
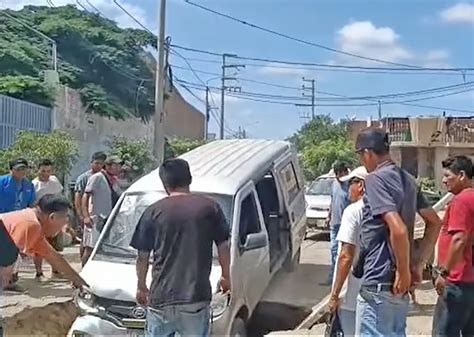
(406,102)
(376,98)
(309,66)
(174,52)
(286,36)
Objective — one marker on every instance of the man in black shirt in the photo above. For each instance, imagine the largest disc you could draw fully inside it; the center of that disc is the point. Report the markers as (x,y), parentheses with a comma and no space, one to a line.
(8,256)
(180,230)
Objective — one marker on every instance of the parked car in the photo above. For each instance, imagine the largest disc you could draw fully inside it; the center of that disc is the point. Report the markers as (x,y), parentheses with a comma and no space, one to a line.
(318,201)
(260,188)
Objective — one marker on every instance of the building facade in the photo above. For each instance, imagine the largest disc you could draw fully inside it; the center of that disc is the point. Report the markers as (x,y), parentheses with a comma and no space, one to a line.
(420,144)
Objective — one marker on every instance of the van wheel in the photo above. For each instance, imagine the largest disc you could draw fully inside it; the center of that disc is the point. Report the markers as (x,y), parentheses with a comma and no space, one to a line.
(291,264)
(239,328)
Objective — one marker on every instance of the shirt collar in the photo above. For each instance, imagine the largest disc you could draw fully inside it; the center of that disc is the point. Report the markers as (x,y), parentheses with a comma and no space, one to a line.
(387,162)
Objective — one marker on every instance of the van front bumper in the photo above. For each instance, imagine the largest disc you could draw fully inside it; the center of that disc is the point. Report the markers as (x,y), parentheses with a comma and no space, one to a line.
(93,326)
(89,325)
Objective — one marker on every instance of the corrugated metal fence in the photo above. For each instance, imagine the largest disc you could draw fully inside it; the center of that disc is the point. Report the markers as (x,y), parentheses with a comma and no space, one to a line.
(17,115)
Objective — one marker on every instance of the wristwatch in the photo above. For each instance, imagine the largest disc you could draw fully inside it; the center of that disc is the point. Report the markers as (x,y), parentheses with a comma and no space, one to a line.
(441,271)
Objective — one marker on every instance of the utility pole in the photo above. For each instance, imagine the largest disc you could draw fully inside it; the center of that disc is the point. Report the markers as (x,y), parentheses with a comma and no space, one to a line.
(312,95)
(159,134)
(208,109)
(224,88)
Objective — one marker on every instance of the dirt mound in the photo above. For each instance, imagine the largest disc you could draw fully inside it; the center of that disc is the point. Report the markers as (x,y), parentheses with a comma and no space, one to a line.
(54,319)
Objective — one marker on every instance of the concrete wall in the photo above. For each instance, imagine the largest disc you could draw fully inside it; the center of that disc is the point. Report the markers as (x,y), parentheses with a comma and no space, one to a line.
(183,119)
(94,133)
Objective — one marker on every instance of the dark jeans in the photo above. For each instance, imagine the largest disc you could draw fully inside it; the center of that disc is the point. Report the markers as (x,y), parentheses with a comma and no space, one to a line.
(454,312)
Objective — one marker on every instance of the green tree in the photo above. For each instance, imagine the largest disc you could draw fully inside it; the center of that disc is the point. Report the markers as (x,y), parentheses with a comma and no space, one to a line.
(58,146)
(136,154)
(108,64)
(320,143)
(179,146)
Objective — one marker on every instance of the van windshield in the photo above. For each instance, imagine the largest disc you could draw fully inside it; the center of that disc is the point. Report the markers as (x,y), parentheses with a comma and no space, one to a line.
(115,244)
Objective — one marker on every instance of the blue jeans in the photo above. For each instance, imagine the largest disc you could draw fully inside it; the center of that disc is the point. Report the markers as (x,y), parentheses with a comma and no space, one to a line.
(381,313)
(334,229)
(186,320)
(348,322)
(454,312)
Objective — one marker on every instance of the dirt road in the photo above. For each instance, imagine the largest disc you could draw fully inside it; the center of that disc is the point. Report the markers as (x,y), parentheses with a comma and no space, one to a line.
(45,308)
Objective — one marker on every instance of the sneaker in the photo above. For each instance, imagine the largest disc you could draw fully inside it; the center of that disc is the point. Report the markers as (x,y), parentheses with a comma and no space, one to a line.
(40,277)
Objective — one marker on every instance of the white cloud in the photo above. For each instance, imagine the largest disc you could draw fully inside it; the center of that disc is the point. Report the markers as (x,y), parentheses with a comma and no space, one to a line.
(462,12)
(365,39)
(436,58)
(108,8)
(279,70)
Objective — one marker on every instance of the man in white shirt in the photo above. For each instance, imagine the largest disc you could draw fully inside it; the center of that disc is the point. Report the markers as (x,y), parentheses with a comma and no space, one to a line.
(348,252)
(45,183)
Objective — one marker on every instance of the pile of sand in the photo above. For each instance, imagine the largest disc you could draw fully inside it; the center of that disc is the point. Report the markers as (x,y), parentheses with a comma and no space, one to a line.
(54,319)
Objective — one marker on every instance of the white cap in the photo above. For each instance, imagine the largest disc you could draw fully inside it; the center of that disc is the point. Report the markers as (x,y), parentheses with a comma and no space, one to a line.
(359,173)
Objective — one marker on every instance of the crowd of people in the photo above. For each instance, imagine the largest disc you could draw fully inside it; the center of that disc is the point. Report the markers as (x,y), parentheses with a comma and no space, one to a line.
(34,214)
(373,213)
(372,220)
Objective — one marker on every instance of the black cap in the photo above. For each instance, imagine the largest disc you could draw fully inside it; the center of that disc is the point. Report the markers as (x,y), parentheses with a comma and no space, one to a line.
(375,139)
(18,163)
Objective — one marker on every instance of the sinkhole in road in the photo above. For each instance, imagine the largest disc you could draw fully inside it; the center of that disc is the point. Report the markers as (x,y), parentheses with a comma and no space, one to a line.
(273,316)
(53,319)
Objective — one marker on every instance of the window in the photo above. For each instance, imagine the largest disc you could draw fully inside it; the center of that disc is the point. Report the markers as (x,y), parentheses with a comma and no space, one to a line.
(290,182)
(116,240)
(249,220)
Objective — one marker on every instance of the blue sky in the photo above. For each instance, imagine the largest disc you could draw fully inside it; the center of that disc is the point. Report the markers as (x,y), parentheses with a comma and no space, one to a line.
(427,33)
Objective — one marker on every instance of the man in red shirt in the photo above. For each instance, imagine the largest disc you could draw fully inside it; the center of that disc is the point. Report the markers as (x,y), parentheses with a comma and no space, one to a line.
(454,313)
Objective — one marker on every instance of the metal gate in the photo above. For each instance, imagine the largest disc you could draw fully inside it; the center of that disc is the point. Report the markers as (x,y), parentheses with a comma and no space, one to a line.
(17,115)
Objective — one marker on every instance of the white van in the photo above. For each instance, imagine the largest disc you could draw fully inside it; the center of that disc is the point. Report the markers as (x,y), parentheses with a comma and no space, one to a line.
(260,188)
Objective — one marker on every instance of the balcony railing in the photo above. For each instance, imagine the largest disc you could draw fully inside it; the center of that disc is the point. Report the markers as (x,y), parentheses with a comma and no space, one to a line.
(460,130)
(398,129)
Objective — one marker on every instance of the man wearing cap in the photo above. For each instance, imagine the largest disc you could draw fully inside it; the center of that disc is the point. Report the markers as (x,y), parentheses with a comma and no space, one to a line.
(348,239)
(100,196)
(387,264)
(16,191)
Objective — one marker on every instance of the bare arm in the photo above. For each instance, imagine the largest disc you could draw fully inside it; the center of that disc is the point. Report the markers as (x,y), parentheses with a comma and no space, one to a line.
(85,207)
(78,204)
(344,264)
(456,249)
(400,243)
(432,228)
(58,263)
(143,259)
(224,259)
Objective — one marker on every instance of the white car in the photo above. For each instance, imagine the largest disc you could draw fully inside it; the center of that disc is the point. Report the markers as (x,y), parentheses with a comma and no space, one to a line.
(318,201)
(260,188)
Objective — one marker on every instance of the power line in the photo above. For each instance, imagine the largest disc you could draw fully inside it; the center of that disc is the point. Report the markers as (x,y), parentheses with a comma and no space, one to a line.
(286,36)
(354,98)
(406,102)
(311,66)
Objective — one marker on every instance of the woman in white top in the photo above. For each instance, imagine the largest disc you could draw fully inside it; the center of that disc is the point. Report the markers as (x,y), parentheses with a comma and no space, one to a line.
(348,237)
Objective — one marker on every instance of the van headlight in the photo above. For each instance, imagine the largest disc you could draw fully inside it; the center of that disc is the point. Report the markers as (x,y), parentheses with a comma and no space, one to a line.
(86,302)
(219,304)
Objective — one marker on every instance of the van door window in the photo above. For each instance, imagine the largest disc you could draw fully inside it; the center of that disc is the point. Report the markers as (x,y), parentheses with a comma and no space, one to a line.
(291,186)
(249,222)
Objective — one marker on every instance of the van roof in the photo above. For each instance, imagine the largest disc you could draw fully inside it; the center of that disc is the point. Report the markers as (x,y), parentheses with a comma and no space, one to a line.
(222,166)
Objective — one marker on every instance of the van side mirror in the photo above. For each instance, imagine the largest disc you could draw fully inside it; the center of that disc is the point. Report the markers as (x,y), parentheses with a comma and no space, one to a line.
(255,241)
